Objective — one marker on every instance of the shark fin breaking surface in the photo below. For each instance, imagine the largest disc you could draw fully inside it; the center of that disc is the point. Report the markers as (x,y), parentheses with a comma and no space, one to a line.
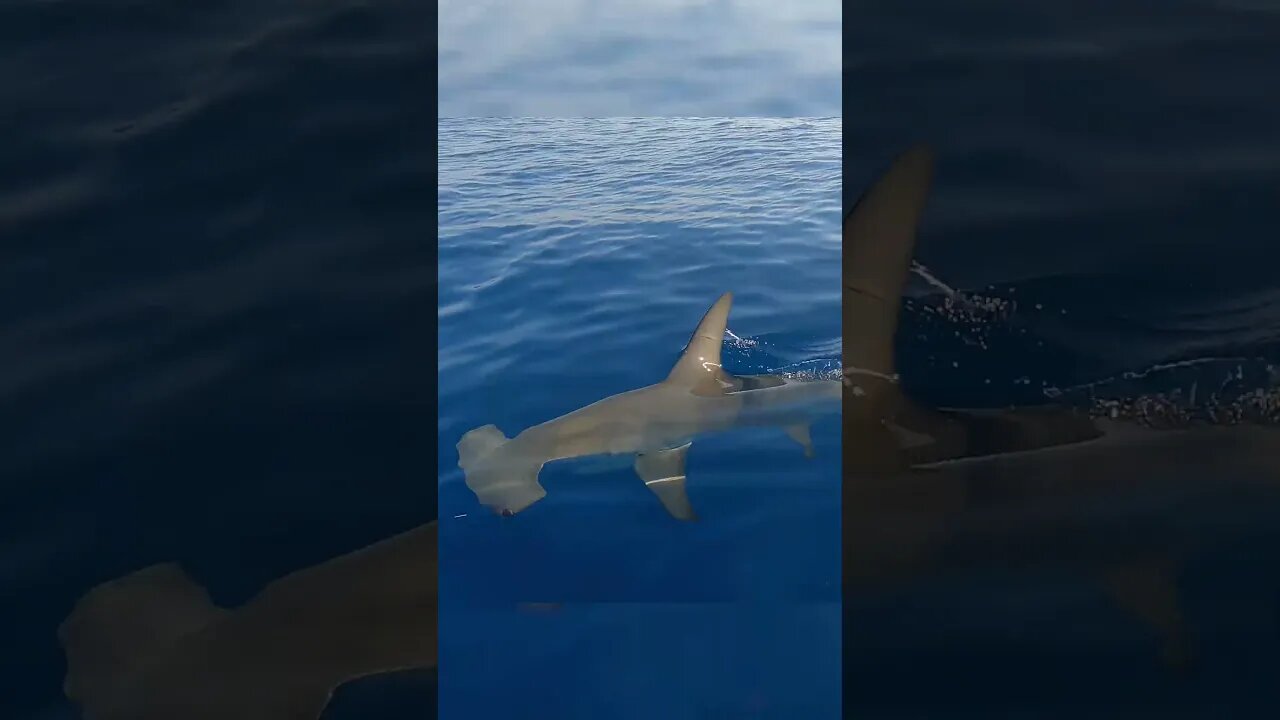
(701,357)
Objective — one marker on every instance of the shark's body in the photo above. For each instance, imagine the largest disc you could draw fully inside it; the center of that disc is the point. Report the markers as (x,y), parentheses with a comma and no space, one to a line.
(151,645)
(655,423)
(930,494)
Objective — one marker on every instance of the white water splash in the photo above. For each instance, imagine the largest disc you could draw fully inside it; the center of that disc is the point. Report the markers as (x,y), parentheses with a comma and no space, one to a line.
(740,342)
(928,276)
(1255,397)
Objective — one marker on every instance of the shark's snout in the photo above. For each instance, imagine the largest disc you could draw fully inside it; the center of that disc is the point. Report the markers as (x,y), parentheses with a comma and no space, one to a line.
(510,496)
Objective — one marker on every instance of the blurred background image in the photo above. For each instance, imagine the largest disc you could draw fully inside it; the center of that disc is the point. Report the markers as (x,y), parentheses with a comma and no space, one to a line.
(215,309)
(1101,235)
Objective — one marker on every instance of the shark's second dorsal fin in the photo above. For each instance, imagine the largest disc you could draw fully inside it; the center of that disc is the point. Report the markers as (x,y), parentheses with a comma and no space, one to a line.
(879,239)
(700,362)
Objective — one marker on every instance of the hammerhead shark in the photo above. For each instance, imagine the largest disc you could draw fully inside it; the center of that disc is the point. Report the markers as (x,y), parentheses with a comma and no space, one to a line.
(152,646)
(936,492)
(657,424)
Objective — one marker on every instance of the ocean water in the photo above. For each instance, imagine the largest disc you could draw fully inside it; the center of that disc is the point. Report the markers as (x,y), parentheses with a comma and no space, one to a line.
(1108,186)
(215,305)
(576,257)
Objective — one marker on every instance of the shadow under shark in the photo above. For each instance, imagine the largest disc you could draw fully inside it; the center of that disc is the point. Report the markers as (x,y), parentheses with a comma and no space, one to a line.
(657,424)
(936,493)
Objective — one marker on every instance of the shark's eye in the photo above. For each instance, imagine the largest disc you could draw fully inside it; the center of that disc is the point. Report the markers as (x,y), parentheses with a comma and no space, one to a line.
(506,512)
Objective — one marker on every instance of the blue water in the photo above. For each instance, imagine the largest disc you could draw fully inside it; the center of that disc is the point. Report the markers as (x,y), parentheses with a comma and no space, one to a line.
(576,257)
(1111,167)
(214,275)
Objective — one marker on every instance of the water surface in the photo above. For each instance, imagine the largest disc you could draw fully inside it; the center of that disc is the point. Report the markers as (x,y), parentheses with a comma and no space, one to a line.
(576,257)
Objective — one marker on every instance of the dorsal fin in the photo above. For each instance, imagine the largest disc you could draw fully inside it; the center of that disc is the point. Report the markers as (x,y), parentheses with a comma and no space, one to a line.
(878,243)
(701,358)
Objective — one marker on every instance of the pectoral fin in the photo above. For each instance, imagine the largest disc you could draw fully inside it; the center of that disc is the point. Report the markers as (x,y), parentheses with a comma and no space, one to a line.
(1149,591)
(663,473)
(800,433)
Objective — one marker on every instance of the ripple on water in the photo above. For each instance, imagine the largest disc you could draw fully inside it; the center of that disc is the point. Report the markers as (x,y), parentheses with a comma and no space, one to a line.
(576,257)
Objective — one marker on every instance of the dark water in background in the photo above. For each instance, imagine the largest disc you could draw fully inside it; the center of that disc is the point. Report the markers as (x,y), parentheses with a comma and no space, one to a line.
(1115,168)
(215,305)
(576,258)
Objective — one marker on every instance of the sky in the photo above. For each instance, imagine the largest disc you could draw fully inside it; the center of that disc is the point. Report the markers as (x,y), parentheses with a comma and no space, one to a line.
(627,58)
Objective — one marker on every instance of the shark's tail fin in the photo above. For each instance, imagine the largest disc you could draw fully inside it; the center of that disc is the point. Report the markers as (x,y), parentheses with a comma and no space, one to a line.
(507,487)
(125,623)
